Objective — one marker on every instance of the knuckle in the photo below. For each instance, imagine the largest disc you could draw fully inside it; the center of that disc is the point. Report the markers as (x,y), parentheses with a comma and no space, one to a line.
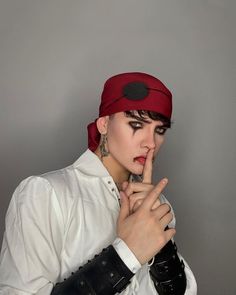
(127,187)
(139,202)
(170,215)
(167,207)
(158,203)
(131,185)
(164,208)
(132,204)
(128,192)
(132,197)
(157,189)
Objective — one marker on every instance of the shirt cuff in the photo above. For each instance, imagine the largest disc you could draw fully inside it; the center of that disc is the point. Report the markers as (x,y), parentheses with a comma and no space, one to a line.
(126,255)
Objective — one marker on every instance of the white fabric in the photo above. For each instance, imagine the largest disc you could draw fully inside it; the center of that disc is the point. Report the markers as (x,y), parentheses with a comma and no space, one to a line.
(126,255)
(59,220)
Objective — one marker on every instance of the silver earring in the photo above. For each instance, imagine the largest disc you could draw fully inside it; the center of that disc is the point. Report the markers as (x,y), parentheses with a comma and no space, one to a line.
(103,149)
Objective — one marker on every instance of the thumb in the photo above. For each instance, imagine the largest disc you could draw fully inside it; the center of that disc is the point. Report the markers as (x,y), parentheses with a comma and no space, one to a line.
(124,208)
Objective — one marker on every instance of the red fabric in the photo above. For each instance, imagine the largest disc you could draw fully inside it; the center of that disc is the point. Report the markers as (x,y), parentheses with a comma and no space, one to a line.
(158,100)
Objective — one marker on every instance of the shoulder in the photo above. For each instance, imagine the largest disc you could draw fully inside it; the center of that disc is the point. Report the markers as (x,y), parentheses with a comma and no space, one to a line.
(31,189)
(46,197)
(33,202)
(40,190)
(61,186)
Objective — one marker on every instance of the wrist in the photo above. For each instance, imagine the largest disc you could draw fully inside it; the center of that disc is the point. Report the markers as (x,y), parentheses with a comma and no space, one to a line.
(126,255)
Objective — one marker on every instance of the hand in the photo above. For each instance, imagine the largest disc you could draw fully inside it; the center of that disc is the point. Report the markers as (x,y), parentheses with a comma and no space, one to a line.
(144,230)
(137,191)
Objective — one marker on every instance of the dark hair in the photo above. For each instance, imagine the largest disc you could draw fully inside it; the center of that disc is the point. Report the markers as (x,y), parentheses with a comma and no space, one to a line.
(141,114)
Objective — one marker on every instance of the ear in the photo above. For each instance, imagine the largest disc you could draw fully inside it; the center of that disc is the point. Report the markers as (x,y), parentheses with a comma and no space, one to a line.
(102,123)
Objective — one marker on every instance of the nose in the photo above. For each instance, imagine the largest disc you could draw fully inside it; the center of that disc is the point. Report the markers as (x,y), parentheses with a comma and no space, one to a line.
(149,140)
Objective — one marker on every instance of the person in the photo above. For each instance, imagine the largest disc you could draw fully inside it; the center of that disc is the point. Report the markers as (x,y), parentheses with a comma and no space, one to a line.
(100,226)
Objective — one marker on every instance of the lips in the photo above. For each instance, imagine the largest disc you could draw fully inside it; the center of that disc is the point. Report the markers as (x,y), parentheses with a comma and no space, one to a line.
(141,160)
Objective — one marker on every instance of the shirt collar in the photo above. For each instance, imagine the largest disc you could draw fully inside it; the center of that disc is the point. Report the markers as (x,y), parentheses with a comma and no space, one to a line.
(90,164)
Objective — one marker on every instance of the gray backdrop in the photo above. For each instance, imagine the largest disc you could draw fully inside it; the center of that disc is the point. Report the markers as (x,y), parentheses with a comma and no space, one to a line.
(55,56)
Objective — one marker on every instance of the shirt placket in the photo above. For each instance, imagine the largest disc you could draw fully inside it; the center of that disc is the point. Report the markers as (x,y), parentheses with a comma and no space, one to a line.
(113,189)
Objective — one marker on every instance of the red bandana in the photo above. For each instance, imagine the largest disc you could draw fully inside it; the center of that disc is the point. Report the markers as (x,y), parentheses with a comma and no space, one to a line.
(131,91)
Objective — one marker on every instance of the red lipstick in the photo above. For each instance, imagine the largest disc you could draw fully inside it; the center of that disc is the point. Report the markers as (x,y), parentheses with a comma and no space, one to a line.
(141,160)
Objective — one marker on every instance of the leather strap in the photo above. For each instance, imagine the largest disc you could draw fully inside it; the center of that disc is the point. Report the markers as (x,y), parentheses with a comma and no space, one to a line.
(105,274)
(167,271)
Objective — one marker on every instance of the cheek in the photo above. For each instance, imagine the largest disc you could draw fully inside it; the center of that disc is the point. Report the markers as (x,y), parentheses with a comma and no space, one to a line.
(117,137)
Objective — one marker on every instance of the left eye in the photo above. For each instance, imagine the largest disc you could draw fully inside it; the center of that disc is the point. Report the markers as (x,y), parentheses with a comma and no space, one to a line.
(160,130)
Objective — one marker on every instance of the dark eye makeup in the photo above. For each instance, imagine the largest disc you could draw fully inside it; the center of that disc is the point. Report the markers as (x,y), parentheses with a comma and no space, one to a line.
(161,130)
(135,125)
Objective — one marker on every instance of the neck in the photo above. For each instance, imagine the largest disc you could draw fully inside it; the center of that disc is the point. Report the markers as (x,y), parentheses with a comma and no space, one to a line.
(117,172)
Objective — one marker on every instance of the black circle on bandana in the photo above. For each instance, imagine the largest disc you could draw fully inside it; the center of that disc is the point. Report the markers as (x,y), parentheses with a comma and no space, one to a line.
(135,90)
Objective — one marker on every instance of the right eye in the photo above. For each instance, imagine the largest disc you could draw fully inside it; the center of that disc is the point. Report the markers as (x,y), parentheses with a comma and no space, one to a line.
(135,125)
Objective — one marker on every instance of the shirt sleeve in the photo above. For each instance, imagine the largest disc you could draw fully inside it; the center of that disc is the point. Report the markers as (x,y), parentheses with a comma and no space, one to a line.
(32,241)
(126,255)
(191,288)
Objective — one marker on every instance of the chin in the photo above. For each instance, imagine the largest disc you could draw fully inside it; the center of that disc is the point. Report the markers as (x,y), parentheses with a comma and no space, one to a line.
(136,170)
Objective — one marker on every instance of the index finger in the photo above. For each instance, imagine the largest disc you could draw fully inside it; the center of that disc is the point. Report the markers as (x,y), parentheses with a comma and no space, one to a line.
(154,194)
(147,170)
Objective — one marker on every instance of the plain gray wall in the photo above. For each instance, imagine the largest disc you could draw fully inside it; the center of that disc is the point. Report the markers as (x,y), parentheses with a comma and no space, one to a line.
(55,56)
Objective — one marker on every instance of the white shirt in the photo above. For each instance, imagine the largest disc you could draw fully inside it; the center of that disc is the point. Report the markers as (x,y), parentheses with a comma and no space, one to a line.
(56,222)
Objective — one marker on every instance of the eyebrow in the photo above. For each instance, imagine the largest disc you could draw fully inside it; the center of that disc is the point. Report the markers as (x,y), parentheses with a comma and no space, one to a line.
(140,119)
(165,125)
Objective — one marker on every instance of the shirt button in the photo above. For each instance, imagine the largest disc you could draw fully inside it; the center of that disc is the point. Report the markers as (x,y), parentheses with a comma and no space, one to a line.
(109,182)
(113,189)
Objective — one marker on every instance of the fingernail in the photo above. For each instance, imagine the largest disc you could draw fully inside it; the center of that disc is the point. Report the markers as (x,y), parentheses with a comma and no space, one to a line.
(165,180)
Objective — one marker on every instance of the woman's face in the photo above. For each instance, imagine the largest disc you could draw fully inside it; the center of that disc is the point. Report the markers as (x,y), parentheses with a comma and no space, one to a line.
(129,141)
